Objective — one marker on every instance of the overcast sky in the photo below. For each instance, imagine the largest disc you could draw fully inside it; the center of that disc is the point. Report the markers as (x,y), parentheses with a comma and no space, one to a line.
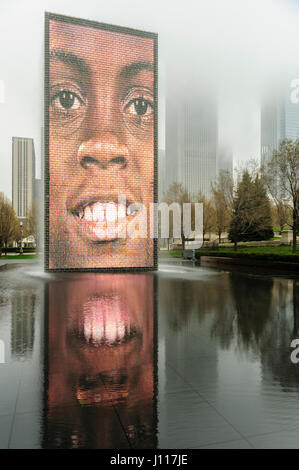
(242,46)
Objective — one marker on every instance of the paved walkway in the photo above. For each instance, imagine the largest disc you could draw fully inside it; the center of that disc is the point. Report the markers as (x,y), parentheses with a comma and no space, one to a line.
(6,261)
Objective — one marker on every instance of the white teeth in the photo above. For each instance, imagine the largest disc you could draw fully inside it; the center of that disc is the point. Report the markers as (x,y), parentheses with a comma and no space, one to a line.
(87,213)
(98,213)
(98,332)
(121,330)
(111,332)
(111,212)
(121,211)
(104,321)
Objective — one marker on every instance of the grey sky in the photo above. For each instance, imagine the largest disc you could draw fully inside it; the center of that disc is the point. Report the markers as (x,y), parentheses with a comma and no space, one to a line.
(241,46)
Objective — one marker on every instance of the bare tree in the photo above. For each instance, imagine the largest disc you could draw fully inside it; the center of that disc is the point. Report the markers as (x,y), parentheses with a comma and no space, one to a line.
(281,175)
(9,224)
(32,222)
(282,214)
(208,214)
(223,195)
(178,194)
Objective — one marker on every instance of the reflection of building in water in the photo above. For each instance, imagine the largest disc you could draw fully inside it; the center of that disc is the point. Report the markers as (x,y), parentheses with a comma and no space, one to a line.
(296,306)
(22,324)
(283,329)
(279,120)
(191,143)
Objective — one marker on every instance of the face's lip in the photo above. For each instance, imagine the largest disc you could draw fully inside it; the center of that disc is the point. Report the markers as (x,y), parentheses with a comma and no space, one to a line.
(74,205)
(101,232)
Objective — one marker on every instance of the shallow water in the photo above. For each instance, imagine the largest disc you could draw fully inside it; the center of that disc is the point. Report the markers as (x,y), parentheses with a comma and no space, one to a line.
(188,357)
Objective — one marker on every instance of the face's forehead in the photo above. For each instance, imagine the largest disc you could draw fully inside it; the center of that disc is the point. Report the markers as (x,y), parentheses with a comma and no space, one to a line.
(96,45)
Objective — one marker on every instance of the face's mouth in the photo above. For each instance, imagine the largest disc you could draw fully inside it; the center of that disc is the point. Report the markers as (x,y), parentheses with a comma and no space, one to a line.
(104,219)
(108,321)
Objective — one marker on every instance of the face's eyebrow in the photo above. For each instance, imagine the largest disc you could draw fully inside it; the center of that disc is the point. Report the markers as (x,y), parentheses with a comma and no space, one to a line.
(136,67)
(70,59)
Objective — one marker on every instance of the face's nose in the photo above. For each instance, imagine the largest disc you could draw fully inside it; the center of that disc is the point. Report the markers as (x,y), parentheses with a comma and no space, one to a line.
(103,151)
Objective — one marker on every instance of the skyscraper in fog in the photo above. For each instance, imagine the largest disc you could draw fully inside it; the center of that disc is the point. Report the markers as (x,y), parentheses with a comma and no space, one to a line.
(191,144)
(225,159)
(161,174)
(279,120)
(23,175)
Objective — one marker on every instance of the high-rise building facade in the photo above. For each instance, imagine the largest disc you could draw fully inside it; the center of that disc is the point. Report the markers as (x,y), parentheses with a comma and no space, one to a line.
(225,159)
(23,175)
(161,175)
(191,144)
(279,121)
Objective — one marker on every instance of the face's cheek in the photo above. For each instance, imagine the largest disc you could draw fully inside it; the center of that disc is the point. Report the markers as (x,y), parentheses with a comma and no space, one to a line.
(144,158)
(63,181)
(62,171)
(141,151)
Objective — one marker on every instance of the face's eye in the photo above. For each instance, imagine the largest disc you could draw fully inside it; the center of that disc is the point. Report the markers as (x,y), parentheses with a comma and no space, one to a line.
(140,107)
(66,100)
(138,103)
(68,106)
(137,109)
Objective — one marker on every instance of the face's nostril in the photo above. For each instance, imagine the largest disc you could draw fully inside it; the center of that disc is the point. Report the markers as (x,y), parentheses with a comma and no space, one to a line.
(103,152)
(88,161)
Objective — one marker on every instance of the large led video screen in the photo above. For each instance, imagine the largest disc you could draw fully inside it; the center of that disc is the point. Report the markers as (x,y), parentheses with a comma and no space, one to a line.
(100,146)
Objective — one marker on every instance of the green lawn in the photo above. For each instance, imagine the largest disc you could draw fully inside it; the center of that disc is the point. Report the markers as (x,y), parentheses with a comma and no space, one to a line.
(18,257)
(279,253)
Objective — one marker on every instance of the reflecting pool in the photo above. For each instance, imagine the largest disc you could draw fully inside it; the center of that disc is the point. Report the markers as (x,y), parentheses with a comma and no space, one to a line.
(187,357)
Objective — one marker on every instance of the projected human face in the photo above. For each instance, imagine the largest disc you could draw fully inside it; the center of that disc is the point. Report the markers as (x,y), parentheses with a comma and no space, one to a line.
(101,147)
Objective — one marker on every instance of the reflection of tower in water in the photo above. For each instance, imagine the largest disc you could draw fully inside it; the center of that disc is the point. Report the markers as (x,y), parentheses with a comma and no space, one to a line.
(22,324)
(284,327)
(296,306)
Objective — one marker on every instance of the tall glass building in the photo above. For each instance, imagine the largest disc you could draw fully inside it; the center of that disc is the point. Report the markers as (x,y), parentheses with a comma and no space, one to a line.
(279,120)
(23,175)
(191,143)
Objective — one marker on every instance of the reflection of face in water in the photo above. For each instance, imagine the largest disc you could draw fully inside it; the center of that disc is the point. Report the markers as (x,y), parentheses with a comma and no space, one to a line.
(101,385)
(101,144)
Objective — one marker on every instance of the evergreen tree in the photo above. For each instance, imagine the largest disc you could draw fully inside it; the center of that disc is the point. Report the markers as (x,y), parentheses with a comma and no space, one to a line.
(251,219)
